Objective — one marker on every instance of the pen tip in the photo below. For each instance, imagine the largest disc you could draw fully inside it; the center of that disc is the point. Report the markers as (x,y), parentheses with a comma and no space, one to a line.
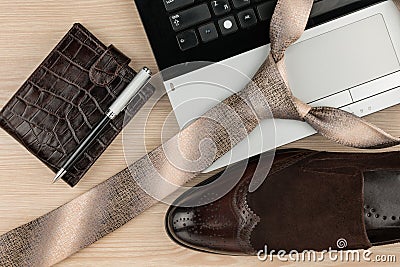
(59,175)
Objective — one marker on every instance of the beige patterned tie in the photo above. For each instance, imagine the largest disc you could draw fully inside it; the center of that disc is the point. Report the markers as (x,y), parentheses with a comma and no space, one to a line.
(77,224)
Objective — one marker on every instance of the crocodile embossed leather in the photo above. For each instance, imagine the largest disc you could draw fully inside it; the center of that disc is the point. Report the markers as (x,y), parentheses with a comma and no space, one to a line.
(119,199)
(66,96)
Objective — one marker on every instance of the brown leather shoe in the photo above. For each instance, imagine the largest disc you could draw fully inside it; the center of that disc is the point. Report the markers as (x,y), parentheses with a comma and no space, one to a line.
(308,201)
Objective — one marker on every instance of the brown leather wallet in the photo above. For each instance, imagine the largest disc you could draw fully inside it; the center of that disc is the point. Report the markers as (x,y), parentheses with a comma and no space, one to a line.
(66,96)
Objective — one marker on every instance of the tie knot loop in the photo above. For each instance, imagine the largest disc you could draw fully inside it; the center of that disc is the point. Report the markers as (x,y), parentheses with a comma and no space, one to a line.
(301,107)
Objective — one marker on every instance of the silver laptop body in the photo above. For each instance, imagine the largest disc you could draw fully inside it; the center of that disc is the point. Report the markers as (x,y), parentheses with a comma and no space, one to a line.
(350,63)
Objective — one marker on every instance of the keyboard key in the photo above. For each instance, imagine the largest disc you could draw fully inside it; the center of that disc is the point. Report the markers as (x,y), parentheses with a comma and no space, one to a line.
(190,17)
(227,25)
(247,18)
(220,7)
(187,40)
(171,5)
(266,10)
(208,32)
(240,3)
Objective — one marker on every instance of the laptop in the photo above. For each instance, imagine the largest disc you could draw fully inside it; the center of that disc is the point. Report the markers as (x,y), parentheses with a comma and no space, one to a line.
(348,58)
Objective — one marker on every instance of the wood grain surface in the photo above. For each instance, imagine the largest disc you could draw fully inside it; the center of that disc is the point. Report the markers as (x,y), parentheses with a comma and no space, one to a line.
(29,29)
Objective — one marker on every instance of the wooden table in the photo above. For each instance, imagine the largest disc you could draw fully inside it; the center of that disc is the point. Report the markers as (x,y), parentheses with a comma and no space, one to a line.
(29,30)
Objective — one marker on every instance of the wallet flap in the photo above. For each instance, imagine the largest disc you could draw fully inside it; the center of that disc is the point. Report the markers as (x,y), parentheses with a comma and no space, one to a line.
(108,66)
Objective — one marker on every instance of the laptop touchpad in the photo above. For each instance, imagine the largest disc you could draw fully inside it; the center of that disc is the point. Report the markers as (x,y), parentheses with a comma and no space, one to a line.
(341,59)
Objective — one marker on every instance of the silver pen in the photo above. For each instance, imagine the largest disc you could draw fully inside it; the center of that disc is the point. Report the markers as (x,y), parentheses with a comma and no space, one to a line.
(119,105)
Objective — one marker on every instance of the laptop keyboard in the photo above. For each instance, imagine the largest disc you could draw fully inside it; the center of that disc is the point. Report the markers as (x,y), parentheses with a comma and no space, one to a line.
(197,22)
(181,31)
